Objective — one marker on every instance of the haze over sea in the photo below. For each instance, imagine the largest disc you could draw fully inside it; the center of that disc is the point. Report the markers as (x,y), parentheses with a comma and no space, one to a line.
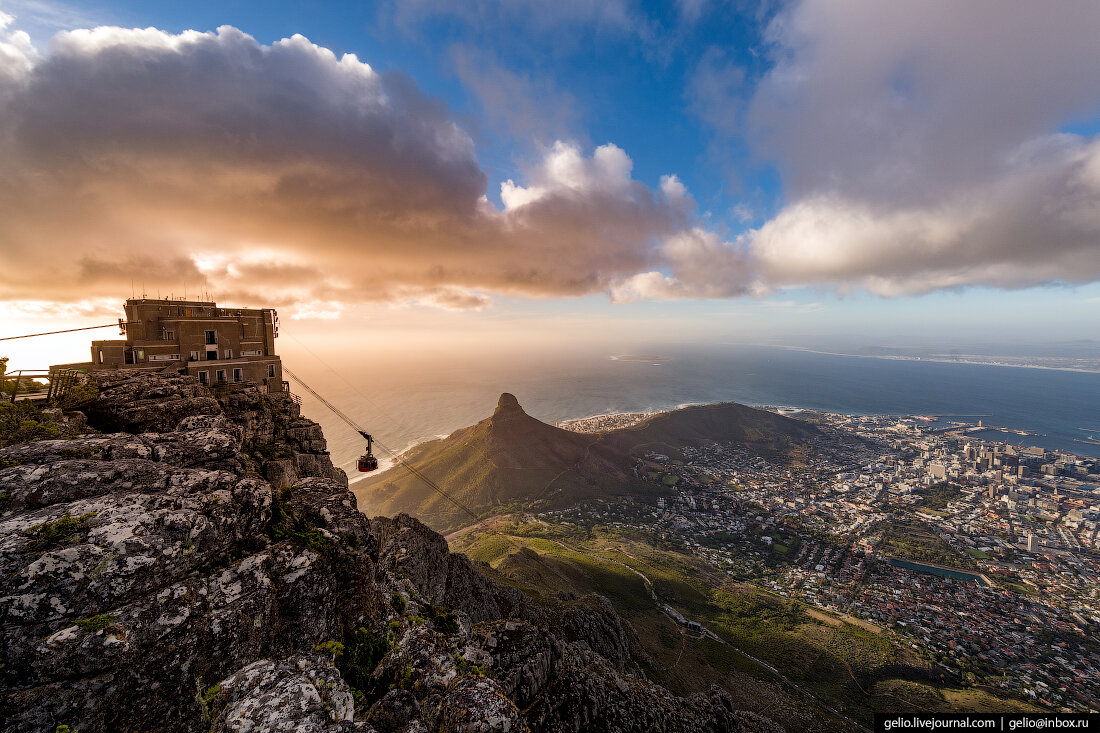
(405,399)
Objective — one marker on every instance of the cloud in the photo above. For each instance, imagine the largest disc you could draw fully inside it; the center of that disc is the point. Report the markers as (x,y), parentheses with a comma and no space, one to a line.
(106,308)
(527,108)
(452,299)
(287,174)
(316,309)
(17,56)
(919,149)
(791,306)
(716,91)
(1038,223)
(701,265)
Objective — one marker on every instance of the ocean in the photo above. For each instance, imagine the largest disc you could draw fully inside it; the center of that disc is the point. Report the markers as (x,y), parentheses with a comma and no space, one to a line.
(403,399)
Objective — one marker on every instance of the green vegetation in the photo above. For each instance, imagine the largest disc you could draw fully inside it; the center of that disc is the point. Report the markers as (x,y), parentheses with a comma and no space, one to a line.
(333,648)
(403,681)
(468,669)
(210,701)
(914,540)
(95,623)
(271,451)
(760,610)
(442,621)
(852,666)
(398,602)
(977,554)
(17,384)
(77,396)
(87,453)
(362,653)
(65,530)
(305,532)
(938,496)
(25,422)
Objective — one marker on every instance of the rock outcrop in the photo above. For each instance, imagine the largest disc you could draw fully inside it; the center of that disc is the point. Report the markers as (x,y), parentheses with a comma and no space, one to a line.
(200,565)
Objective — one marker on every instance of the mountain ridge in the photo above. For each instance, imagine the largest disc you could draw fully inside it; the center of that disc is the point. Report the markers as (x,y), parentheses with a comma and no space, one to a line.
(511,459)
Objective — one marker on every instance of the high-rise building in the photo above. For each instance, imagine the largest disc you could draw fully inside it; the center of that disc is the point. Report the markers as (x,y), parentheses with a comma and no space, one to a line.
(1032,543)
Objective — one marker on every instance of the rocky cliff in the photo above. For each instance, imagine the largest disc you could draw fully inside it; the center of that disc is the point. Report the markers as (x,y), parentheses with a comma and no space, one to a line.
(199,565)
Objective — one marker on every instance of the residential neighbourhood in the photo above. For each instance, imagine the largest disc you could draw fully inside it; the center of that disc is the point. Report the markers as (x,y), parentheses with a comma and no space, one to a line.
(983,556)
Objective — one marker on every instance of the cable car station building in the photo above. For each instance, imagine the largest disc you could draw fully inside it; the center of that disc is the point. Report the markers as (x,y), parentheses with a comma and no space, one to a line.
(215,345)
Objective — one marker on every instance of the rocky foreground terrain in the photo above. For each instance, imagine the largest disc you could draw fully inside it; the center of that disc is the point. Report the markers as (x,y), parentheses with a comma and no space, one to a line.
(194,562)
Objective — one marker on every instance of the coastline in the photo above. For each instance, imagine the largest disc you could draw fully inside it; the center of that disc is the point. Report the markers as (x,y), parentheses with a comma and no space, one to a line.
(898,357)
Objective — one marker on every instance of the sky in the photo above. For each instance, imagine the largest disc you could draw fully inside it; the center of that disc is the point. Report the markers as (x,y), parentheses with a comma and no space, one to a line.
(436,174)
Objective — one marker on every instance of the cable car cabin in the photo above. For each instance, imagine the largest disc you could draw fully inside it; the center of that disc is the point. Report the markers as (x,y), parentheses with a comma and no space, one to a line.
(367,461)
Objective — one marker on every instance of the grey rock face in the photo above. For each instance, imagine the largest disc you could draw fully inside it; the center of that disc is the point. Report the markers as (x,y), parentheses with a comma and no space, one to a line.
(411,549)
(144,561)
(301,694)
(202,566)
(148,402)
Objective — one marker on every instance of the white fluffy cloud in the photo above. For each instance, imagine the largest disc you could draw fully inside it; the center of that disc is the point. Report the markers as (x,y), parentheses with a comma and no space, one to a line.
(702,266)
(918,145)
(1038,222)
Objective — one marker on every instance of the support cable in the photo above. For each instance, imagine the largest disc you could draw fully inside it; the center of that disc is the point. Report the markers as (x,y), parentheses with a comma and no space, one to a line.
(50,333)
(359,429)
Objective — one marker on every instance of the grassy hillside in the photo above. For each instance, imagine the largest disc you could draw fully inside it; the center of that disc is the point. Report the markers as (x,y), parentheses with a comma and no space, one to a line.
(852,667)
(511,460)
(773,436)
(505,460)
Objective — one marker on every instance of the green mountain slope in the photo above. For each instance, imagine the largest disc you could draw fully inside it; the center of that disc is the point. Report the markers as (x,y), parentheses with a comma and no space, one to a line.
(766,433)
(512,459)
(851,666)
(501,461)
